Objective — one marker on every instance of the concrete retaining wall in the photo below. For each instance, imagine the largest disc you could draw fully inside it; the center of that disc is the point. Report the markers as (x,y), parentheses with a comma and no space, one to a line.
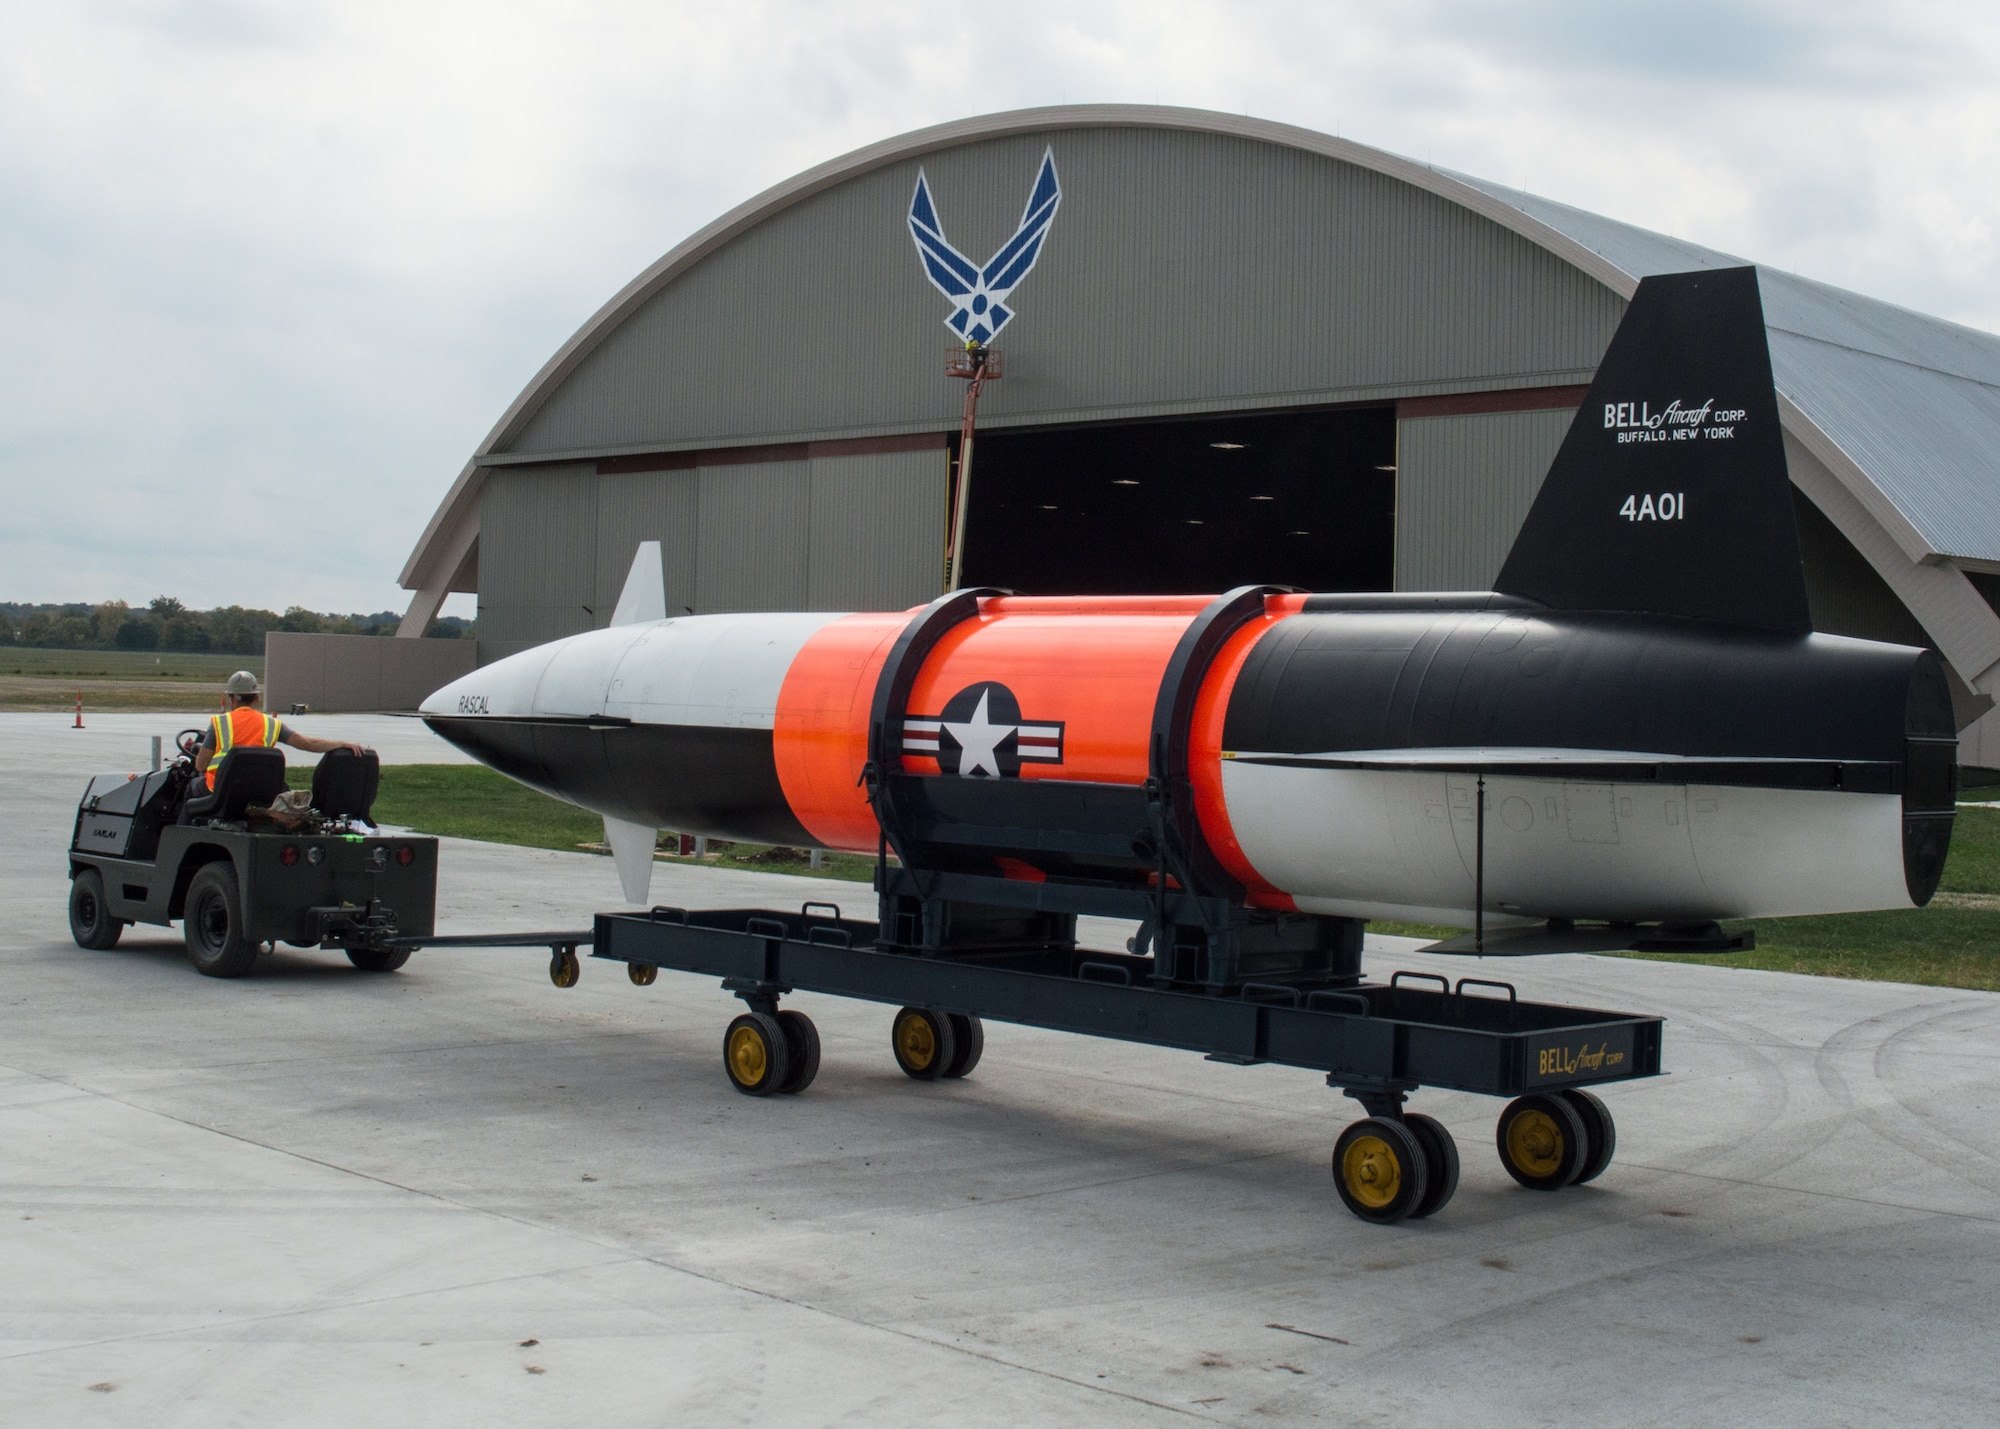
(359,672)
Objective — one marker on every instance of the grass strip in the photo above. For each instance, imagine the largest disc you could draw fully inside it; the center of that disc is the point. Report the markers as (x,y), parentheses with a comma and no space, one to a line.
(470,801)
(1947,944)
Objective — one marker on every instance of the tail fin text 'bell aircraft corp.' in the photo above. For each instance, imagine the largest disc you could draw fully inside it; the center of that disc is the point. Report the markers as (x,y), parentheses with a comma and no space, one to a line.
(1635,736)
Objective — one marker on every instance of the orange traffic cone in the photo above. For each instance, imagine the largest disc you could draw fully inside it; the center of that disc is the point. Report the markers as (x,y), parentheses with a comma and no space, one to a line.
(79,711)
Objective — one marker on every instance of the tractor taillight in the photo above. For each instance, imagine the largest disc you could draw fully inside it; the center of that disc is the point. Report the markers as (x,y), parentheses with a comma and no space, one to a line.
(406,854)
(289,855)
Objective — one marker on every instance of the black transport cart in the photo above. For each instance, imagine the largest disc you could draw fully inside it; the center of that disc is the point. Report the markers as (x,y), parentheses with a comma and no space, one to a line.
(142,851)
(1377,1042)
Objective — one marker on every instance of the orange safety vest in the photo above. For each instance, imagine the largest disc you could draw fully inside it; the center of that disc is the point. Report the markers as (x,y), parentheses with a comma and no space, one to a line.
(243,725)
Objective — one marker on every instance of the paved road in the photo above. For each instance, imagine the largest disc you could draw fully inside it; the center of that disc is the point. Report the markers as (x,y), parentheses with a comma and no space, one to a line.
(320,1197)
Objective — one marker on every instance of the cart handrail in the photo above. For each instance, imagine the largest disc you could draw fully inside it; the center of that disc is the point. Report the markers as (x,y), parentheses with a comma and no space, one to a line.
(1270,992)
(1318,1000)
(766,928)
(662,913)
(1506,987)
(1104,972)
(806,908)
(1396,979)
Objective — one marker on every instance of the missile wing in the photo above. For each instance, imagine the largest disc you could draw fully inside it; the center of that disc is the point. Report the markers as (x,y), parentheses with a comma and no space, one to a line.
(1638,726)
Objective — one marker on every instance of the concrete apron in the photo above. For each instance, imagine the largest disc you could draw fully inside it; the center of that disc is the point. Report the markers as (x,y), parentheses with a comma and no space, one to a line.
(317,1196)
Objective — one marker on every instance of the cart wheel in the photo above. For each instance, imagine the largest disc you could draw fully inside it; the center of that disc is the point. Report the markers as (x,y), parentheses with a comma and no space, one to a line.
(642,974)
(1440,1163)
(1600,1133)
(212,926)
(924,1043)
(1378,1168)
(754,1054)
(969,1041)
(802,1042)
(564,969)
(90,922)
(1542,1141)
(378,960)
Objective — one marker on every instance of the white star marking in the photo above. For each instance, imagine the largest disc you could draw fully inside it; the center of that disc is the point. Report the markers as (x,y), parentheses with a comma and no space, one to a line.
(979,742)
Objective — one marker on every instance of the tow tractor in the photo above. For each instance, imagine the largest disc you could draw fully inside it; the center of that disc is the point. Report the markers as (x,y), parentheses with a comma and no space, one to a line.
(241,877)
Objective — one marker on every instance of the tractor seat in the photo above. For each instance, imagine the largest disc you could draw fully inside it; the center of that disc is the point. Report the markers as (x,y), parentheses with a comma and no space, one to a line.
(344,785)
(249,775)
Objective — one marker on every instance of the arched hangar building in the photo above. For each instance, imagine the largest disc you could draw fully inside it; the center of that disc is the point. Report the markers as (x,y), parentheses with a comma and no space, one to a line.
(1237,352)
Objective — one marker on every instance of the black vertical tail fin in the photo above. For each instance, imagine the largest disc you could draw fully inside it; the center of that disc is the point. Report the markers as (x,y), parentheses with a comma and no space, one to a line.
(1670,495)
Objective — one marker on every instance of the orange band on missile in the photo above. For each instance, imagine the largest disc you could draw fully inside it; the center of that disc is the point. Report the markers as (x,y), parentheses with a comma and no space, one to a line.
(820,737)
(1085,671)
(1211,710)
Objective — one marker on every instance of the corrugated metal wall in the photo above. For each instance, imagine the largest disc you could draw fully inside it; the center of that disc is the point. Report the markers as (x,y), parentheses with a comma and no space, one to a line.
(877,530)
(830,533)
(753,547)
(1185,272)
(647,506)
(1463,488)
(537,556)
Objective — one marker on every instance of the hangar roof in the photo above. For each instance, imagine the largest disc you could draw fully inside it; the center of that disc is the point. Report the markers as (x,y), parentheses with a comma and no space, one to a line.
(1913,400)
(1902,408)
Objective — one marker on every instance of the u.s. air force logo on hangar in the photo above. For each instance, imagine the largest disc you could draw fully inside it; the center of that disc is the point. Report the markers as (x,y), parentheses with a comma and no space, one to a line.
(979,293)
(982,735)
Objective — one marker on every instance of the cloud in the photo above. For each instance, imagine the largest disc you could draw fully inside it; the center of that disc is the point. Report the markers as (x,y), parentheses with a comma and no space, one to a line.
(269,271)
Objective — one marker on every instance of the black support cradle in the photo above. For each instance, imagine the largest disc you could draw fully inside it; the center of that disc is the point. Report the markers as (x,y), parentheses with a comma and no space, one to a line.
(994,868)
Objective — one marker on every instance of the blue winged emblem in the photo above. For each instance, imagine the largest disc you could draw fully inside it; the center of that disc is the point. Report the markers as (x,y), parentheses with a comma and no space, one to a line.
(978,295)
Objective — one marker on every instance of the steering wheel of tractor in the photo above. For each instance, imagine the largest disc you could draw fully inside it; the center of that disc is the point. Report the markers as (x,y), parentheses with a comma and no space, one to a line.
(187,742)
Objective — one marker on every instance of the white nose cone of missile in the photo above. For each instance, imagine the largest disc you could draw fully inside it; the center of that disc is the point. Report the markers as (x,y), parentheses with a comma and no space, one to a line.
(709,684)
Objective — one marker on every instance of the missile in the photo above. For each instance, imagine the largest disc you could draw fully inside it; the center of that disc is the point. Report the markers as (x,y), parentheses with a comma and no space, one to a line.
(1637,725)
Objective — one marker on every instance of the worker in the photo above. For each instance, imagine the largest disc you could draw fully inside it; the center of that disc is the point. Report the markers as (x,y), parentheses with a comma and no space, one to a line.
(242,724)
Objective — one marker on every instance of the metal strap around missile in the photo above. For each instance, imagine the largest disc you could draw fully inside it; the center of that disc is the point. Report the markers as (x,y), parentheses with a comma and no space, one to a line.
(1177,830)
(892,699)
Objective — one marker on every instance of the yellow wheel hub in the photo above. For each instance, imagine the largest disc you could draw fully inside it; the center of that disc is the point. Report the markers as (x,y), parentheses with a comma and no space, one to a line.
(748,1056)
(1535,1143)
(1371,1171)
(916,1041)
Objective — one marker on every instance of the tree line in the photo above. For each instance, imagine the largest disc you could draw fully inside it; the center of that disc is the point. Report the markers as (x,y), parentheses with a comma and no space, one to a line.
(166,624)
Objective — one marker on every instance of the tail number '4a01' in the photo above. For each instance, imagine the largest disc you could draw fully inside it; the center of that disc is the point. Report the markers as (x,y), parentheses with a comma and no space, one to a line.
(1667,506)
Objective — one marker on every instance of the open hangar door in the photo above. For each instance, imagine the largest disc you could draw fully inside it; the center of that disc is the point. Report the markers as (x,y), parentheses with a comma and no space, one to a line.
(1187,507)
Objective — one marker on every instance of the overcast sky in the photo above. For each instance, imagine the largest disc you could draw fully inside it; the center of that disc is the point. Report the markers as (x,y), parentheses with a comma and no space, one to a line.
(269,271)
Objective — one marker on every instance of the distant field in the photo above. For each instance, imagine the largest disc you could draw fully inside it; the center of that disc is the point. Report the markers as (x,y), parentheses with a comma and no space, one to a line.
(115,679)
(1953,943)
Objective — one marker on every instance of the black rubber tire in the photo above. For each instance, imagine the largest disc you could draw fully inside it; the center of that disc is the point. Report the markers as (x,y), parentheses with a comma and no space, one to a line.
(213,923)
(1379,1169)
(968,1043)
(802,1042)
(90,921)
(755,1056)
(1440,1163)
(1600,1133)
(1542,1141)
(923,1041)
(378,960)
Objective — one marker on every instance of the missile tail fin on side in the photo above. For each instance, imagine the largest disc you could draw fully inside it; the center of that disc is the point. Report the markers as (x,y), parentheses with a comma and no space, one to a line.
(1670,494)
(632,852)
(645,593)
